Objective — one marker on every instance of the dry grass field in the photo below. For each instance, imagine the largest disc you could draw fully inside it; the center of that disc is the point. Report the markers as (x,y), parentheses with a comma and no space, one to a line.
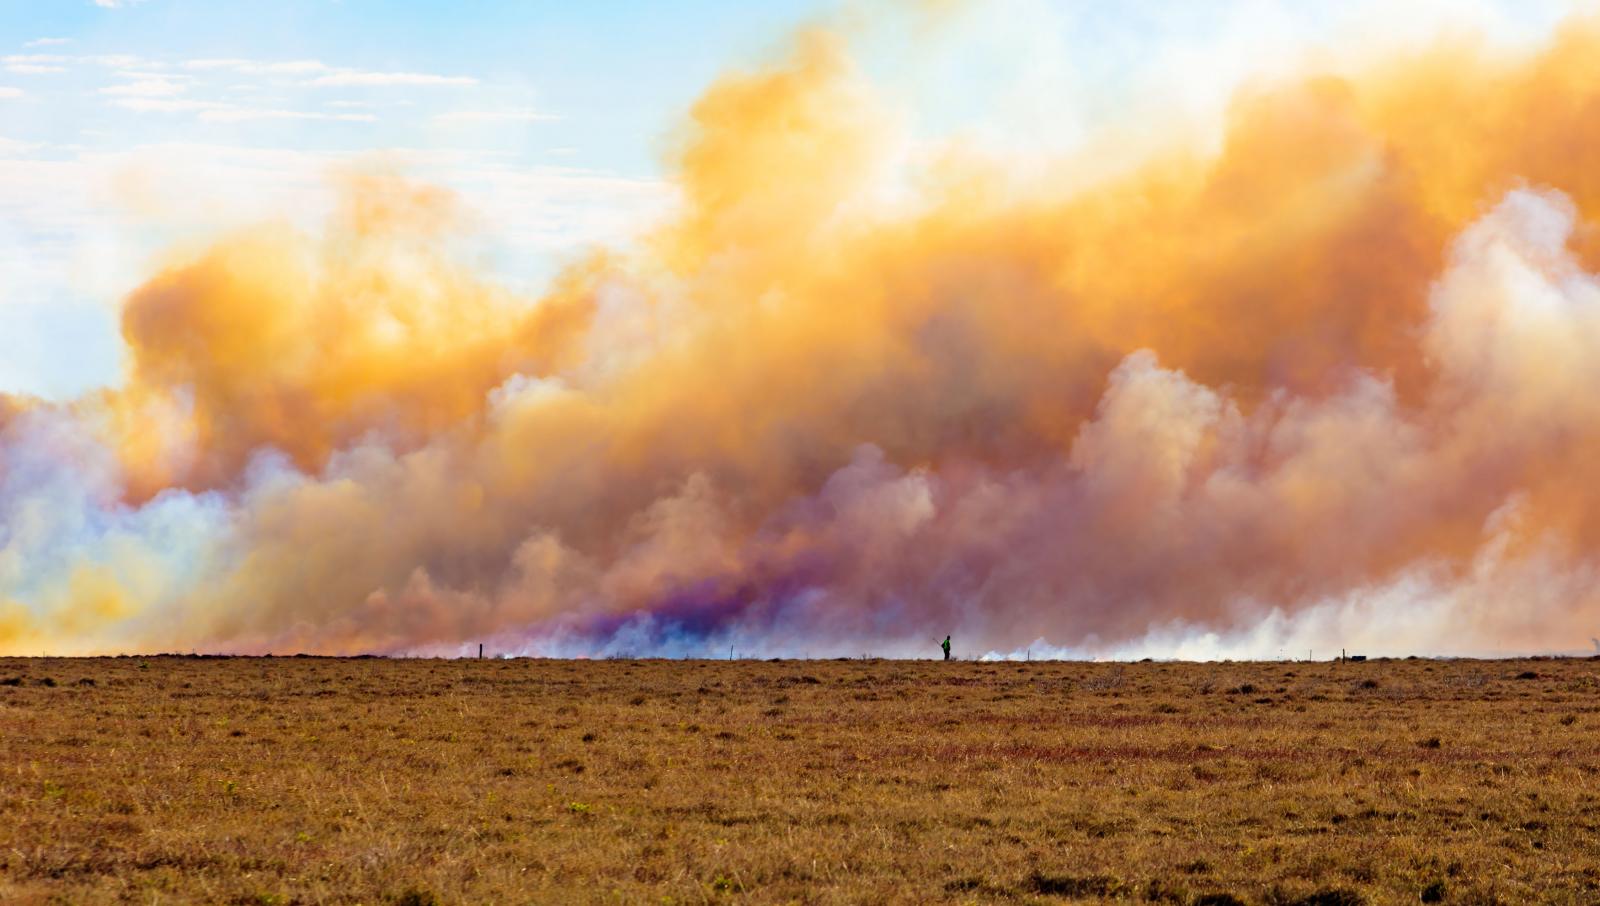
(299,780)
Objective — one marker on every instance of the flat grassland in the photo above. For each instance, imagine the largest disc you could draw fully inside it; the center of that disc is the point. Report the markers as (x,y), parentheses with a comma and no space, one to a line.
(303,780)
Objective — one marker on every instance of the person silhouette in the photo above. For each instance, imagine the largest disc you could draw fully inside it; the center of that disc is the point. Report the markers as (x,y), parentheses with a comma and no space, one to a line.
(946,646)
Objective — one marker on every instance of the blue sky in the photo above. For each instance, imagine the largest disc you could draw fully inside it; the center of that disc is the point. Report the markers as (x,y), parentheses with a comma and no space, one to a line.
(127,126)
(615,72)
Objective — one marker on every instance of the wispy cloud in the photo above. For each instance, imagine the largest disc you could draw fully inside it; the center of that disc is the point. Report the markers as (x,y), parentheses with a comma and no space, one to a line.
(323,75)
(117,60)
(232,114)
(116,4)
(221,112)
(165,105)
(260,67)
(33,68)
(352,78)
(114,61)
(159,90)
(145,88)
(38,59)
(47,42)
(17,146)
(9,93)
(509,115)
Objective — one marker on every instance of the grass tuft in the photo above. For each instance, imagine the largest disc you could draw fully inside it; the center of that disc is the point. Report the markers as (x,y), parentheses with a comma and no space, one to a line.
(1068,886)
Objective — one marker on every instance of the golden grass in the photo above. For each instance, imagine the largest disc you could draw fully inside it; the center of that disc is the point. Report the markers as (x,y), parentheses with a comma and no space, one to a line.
(170,780)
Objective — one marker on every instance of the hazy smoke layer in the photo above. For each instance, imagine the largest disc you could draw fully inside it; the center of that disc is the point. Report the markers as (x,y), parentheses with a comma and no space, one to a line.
(1334,383)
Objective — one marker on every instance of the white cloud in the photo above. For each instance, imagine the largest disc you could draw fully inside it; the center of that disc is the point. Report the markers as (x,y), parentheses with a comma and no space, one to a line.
(220,112)
(16,146)
(47,42)
(232,114)
(117,60)
(33,69)
(288,67)
(351,78)
(116,4)
(216,63)
(258,67)
(145,88)
(511,115)
(165,105)
(17,59)
(114,61)
(8,93)
(135,74)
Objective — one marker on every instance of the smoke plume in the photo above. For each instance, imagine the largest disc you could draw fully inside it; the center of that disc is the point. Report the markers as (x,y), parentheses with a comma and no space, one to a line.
(1329,382)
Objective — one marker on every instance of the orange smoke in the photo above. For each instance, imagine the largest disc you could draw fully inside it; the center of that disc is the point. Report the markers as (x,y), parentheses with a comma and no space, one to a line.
(1345,358)
(302,344)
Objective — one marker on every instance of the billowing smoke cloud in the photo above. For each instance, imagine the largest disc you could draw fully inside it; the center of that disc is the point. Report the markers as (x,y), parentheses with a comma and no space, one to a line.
(1329,384)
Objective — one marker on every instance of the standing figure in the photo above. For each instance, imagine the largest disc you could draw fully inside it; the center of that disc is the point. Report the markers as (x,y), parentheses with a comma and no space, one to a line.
(946,646)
